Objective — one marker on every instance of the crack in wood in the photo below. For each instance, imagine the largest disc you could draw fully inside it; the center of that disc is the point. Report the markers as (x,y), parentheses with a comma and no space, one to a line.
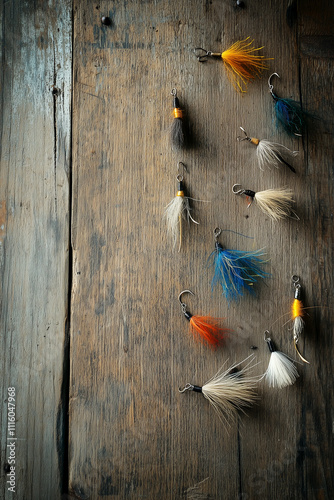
(55,129)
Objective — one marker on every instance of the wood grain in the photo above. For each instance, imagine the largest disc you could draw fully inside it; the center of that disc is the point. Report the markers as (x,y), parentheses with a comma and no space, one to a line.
(132,435)
(34,238)
(137,436)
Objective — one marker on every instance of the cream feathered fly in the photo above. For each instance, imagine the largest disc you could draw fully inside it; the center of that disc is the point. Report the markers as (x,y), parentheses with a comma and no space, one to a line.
(276,203)
(177,209)
(229,391)
(270,154)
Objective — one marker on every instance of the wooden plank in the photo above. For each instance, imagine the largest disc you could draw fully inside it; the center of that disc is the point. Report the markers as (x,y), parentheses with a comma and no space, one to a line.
(317,72)
(294,459)
(34,240)
(132,435)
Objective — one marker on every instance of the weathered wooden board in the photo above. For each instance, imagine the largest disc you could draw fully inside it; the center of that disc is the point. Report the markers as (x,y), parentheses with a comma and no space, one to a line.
(34,240)
(132,435)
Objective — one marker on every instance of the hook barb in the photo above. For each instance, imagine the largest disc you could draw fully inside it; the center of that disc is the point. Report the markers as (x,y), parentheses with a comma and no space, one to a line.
(299,353)
(184,166)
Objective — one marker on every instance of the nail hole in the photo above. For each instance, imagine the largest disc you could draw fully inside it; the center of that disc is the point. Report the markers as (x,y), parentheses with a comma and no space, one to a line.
(106,21)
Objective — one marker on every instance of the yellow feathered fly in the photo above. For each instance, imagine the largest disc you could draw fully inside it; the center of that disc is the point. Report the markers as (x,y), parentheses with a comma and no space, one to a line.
(242,62)
(297,316)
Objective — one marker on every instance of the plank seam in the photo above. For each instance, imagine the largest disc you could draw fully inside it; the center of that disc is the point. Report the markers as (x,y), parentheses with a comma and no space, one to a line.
(63,412)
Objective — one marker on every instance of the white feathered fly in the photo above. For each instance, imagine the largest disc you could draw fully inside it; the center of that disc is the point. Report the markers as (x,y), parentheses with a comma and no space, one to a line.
(270,154)
(176,210)
(229,391)
(281,370)
(276,203)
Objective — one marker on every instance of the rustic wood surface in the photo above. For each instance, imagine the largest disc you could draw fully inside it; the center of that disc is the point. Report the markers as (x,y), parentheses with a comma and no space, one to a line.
(34,239)
(130,433)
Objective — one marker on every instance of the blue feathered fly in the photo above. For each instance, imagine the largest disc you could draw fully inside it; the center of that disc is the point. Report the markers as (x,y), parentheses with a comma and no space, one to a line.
(288,112)
(236,271)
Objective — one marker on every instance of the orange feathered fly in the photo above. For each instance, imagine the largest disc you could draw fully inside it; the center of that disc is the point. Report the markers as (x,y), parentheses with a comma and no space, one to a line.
(241,60)
(204,328)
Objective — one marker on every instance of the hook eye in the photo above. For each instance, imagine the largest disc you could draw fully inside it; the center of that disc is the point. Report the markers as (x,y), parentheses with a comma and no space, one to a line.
(187,387)
(237,191)
(243,138)
(295,279)
(202,54)
(267,339)
(271,87)
(216,232)
(179,176)
(174,92)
